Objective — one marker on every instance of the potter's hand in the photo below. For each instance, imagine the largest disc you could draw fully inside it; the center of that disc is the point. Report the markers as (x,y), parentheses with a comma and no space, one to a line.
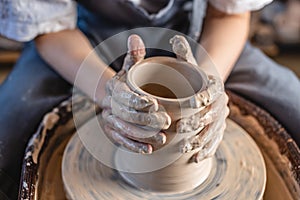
(132,120)
(210,124)
(211,103)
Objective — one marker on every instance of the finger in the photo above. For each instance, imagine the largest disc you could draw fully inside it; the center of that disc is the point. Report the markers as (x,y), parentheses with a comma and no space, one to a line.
(157,120)
(109,86)
(204,117)
(157,139)
(210,135)
(206,97)
(106,102)
(182,49)
(127,97)
(127,143)
(214,132)
(134,132)
(210,147)
(111,83)
(138,103)
(136,51)
(196,141)
(122,94)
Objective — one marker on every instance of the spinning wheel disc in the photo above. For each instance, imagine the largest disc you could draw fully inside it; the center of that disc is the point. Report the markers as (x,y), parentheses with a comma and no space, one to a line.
(238,172)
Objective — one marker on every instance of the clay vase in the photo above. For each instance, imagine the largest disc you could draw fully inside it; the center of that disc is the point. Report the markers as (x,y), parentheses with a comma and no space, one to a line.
(173,83)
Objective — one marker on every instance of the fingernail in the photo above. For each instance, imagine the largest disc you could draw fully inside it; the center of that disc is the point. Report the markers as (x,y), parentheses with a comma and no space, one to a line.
(144,101)
(167,123)
(135,43)
(161,138)
(154,106)
(146,149)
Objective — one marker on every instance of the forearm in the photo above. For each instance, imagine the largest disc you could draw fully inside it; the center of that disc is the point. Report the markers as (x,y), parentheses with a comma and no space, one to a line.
(224,37)
(65,52)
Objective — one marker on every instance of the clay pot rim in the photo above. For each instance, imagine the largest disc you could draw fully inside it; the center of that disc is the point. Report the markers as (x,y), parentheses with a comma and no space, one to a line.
(137,89)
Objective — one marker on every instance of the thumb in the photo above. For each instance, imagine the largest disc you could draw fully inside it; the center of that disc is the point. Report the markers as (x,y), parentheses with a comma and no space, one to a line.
(182,49)
(136,51)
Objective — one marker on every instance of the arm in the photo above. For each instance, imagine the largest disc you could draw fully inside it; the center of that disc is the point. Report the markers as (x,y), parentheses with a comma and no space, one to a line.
(224,36)
(65,51)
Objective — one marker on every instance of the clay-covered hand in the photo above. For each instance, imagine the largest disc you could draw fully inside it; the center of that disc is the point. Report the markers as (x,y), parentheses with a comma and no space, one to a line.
(132,120)
(211,106)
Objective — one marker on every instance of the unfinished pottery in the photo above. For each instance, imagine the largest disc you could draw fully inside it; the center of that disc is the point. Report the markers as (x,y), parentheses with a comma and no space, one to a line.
(173,83)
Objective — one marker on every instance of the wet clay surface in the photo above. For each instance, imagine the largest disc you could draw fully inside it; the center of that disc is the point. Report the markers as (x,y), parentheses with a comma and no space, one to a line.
(280,155)
(238,161)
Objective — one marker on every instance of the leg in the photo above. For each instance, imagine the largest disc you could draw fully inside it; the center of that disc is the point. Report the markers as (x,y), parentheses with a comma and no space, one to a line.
(31,90)
(269,85)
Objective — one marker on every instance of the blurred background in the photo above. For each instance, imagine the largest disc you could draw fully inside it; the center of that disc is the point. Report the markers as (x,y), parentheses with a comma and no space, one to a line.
(274,29)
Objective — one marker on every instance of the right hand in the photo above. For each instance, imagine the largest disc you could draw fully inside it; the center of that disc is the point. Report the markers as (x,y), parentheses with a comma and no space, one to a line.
(132,120)
(211,106)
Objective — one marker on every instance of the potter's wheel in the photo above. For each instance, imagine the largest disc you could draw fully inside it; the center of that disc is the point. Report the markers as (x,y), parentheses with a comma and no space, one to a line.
(238,173)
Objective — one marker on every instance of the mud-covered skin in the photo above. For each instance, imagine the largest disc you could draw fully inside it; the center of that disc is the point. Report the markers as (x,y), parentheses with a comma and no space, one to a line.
(212,110)
(182,49)
(135,121)
(125,109)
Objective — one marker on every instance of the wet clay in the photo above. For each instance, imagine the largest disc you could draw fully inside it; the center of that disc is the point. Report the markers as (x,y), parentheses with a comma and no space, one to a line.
(237,172)
(172,83)
(86,178)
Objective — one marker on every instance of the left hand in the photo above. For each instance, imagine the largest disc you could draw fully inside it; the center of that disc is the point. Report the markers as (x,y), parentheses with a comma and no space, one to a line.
(131,120)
